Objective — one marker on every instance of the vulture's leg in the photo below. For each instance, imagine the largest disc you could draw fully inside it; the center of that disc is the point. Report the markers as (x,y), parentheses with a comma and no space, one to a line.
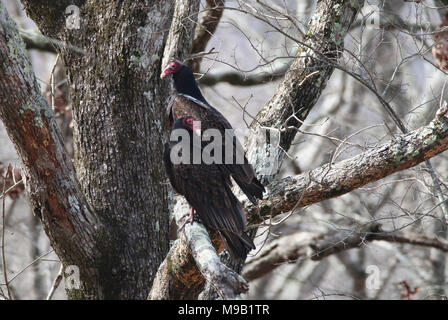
(190,219)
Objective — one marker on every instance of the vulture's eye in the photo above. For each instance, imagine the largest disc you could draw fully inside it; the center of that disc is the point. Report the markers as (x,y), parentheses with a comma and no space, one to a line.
(188,122)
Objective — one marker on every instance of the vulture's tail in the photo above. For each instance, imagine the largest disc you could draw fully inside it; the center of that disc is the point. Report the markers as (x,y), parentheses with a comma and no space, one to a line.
(253,190)
(238,245)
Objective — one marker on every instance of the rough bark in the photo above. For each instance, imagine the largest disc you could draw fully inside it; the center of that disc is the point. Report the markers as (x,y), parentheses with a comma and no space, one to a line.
(180,39)
(49,177)
(118,111)
(191,262)
(335,179)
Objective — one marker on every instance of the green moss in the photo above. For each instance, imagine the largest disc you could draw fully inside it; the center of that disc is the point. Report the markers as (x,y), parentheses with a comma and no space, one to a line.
(155,174)
(134,61)
(430,140)
(14,51)
(27,106)
(76,294)
(430,135)
(413,154)
(396,154)
(38,121)
(336,187)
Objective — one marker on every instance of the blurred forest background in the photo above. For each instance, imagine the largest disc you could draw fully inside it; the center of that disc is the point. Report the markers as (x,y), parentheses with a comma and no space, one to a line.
(347,120)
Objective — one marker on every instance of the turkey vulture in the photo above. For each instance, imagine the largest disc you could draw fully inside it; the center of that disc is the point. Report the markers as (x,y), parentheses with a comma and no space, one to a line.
(189,101)
(206,187)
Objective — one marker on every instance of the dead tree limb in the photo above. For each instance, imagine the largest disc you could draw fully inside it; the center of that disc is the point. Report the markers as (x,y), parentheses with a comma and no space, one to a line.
(314,246)
(239,79)
(179,41)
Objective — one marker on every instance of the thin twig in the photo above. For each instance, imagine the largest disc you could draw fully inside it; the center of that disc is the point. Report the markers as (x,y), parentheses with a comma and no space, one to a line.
(5,275)
(29,265)
(56,283)
(10,188)
(52,81)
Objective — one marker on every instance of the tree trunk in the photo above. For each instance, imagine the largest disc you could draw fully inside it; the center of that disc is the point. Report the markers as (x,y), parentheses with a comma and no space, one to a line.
(113,205)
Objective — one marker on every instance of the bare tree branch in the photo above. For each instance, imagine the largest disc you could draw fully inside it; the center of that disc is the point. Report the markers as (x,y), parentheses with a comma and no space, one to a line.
(35,40)
(327,38)
(335,179)
(56,283)
(179,42)
(304,81)
(206,28)
(240,79)
(301,245)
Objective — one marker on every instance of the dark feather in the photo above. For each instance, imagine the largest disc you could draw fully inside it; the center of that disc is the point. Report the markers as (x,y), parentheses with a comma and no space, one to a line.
(191,102)
(212,119)
(207,189)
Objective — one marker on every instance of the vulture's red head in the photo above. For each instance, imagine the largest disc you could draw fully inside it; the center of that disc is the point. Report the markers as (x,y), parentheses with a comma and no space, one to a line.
(183,79)
(188,123)
(172,68)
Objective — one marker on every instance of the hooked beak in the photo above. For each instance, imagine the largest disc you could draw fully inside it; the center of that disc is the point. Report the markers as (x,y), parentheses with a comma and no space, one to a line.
(197,128)
(166,71)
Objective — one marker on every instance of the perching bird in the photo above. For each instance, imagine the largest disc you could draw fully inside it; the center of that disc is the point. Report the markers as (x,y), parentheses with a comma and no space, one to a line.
(189,101)
(206,187)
